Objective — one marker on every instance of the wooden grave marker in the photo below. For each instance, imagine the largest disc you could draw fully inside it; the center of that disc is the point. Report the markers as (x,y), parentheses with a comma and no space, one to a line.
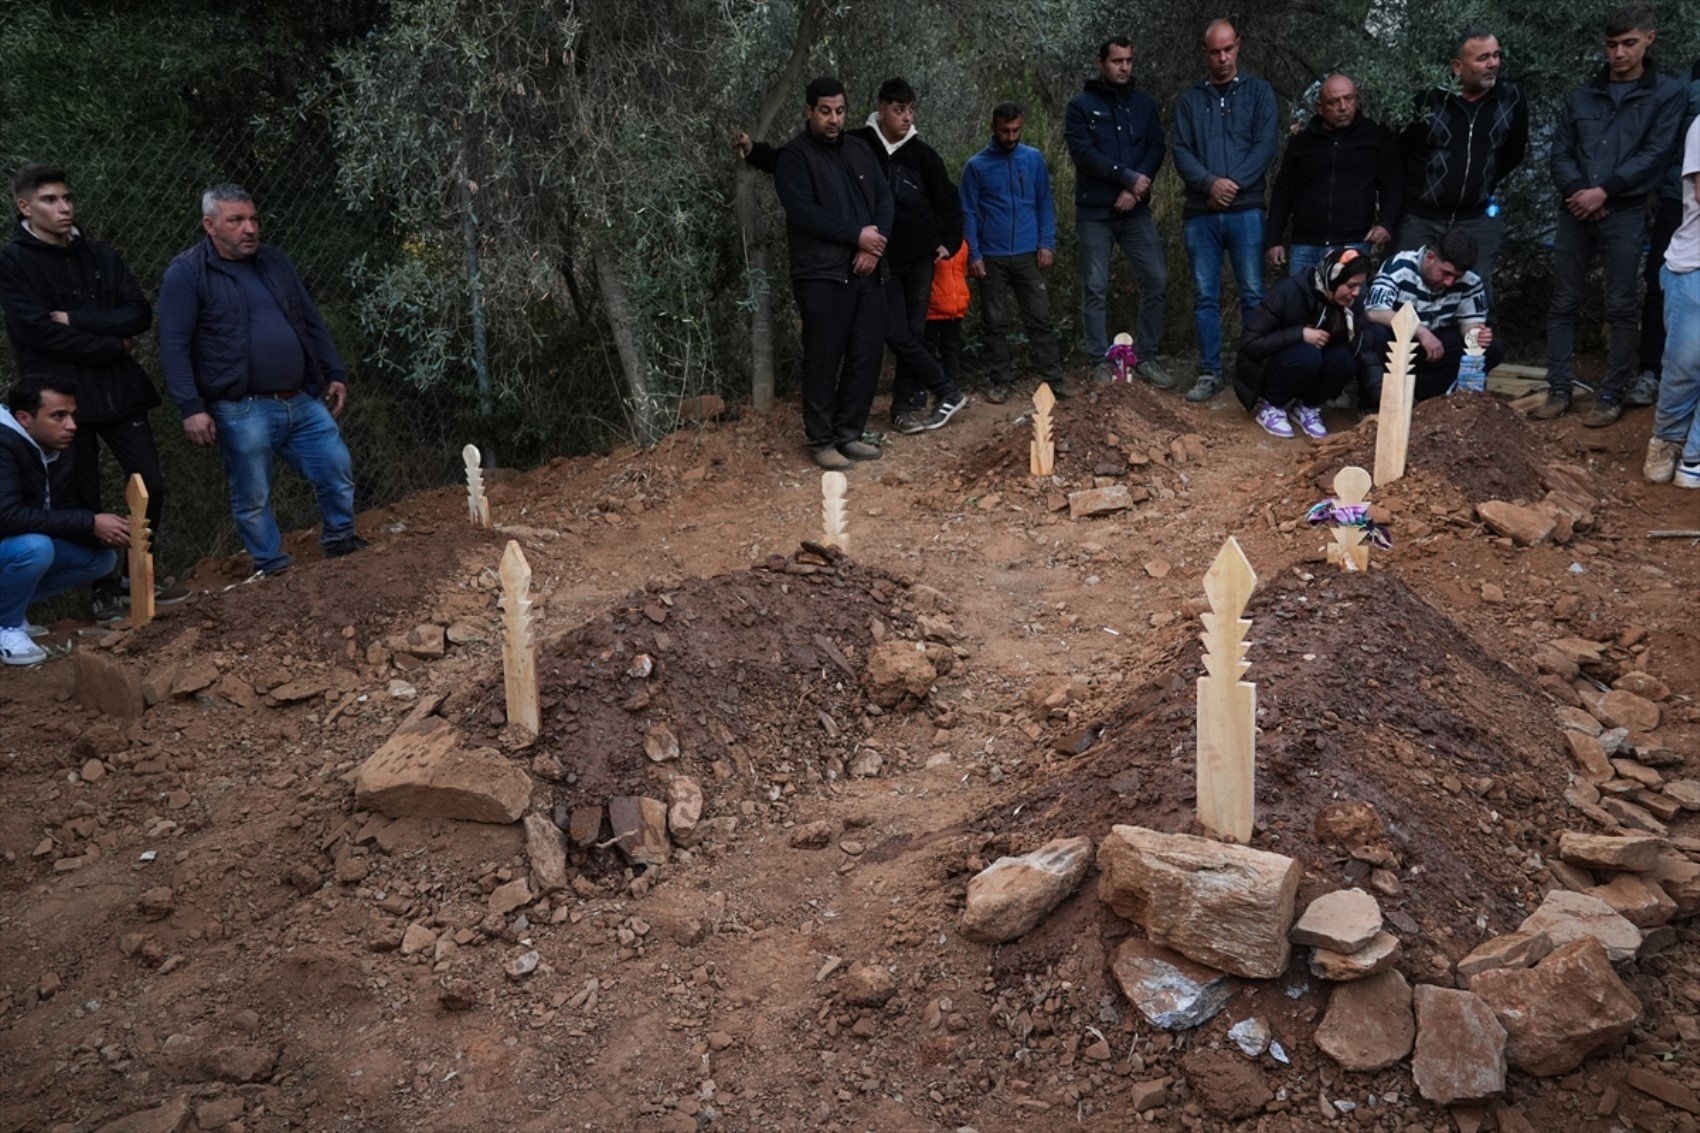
(476,505)
(1042,450)
(1393,424)
(1349,551)
(1227,706)
(835,520)
(519,651)
(141,552)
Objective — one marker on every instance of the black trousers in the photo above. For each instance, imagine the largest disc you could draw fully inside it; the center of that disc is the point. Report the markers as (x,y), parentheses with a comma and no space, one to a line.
(132,446)
(944,343)
(1310,375)
(1432,378)
(918,372)
(843,341)
(1667,218)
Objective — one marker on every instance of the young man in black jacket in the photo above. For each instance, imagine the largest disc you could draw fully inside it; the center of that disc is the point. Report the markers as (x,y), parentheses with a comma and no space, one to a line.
(926,229)
(1340,184)
(47,544)
(1610,149)
(1459,147)
(73,310)
(1115,137)
(838,214)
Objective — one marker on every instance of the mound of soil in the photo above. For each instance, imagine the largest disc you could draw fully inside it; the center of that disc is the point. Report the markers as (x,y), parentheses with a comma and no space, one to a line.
(1098,432)
(1475,443)
(754,673)
(1366,693)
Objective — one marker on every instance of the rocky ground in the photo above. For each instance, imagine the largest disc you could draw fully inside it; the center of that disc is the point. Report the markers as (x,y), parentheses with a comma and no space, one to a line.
(751,874)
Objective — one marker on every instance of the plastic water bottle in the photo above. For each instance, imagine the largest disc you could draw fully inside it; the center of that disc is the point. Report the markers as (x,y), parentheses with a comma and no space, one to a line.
(1472,374)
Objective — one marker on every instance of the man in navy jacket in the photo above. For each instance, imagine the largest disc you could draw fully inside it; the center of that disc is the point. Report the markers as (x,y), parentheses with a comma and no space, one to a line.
(1115,137)
(1010,225)
(247,358)
(1225,136)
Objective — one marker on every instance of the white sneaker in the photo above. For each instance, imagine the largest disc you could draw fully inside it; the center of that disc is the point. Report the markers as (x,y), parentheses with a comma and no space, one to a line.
(1687,474)
(16,648)
(1274,421)
(34,630)
(1660,464)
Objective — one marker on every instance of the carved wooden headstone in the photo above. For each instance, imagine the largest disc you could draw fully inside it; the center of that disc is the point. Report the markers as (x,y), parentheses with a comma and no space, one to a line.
(519,651)
(141,552)
(476,505)
(1393,426)
(1227,706)
(1042,450)
(1351,486)
(835,520)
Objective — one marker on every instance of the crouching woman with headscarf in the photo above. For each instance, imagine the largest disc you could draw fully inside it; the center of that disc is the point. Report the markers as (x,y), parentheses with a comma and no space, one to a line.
(1300,347)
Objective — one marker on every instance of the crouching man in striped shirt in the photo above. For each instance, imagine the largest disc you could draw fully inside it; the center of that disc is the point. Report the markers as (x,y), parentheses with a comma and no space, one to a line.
(1450,302)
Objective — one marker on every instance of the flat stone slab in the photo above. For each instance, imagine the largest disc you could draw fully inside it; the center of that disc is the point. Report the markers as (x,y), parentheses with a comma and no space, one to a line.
(1171,991)
(1013,894)
(422,771)
(1345,920)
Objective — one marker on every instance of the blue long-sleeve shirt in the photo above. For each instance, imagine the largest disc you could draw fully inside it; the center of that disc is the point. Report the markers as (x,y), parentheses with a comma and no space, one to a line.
(1229,133)
(1006,203)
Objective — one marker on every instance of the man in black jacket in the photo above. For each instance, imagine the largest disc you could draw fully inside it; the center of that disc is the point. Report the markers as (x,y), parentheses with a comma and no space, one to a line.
(1340,184)
(926,229)
(1115,137)
(1458,149)
(838,214)
(1610,150)
(47,544)
(73,310)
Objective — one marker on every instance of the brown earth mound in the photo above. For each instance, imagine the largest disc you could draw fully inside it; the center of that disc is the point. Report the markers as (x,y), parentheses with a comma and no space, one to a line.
(754,671)
(1364,693)
(1475,443)
(1099,432)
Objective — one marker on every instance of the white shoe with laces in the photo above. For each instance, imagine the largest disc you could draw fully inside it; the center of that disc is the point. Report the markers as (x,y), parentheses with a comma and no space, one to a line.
(1274,421)
(16,648)
(1310,420)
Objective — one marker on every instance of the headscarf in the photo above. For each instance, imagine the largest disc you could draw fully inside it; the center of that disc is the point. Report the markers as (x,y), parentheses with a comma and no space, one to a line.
(1336,268)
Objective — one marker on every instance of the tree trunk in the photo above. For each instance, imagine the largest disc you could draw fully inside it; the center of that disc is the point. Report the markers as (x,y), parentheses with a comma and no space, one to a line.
(647,414)
(757,249)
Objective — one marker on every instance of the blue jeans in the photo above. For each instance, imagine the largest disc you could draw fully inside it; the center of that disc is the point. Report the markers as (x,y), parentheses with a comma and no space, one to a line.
(36,567)
(1240,235)
(1302,258)
(255,430)
(1137,237)
(1677,419)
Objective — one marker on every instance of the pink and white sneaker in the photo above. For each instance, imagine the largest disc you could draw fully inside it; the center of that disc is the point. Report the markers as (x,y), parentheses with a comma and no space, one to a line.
(1310,420)
(1274,421)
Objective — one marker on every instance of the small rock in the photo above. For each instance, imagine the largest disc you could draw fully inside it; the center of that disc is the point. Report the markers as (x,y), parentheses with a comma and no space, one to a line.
(1525,526)
(219,1112)
(898,672)
(1099,501)
(1460,1048)
(1620,709)
(1369,1024)
(93,771)
(522,965)
(1671,1092)
(812,836)
(1010,896)
(514,895)
(1565,917)
(684,808)
(423,771)
(1144,1096)
(417,939)
(1643,685)
(1171,991)
(1513,950)
(868,985)
(584,826)
(1631,853)
(1339,967)
(660,744)
(1637,898)
(168,1118)
(546,849)
(1251,1036)
(640,828)
(156,904)
(1348,823)
(1685,792)
(1345,920)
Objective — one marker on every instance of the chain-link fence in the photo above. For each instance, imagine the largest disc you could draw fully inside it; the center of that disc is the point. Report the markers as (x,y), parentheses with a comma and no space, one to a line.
(146,203)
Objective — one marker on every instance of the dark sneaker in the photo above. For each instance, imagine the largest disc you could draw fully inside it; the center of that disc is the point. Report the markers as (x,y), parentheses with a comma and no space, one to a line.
(111,606)
(1206,387)
(169,593)
(1103,373)
(337,548)
(1155,374)
(1059,388)
(909,422)
(1557,402)
(1603,412)
(860,450)
(945,410)
(1644,390)
(830,459)
(996,393)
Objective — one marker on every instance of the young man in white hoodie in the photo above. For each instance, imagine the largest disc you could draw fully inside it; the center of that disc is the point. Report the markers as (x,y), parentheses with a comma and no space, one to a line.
(46,545)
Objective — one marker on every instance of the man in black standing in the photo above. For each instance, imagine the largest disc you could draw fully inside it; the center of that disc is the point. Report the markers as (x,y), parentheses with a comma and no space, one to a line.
(1458,149)
(838,212)
(73,311)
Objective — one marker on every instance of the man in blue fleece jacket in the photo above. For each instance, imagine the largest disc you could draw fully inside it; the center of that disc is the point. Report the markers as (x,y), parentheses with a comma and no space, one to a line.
(1225,137)
(1010,226)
